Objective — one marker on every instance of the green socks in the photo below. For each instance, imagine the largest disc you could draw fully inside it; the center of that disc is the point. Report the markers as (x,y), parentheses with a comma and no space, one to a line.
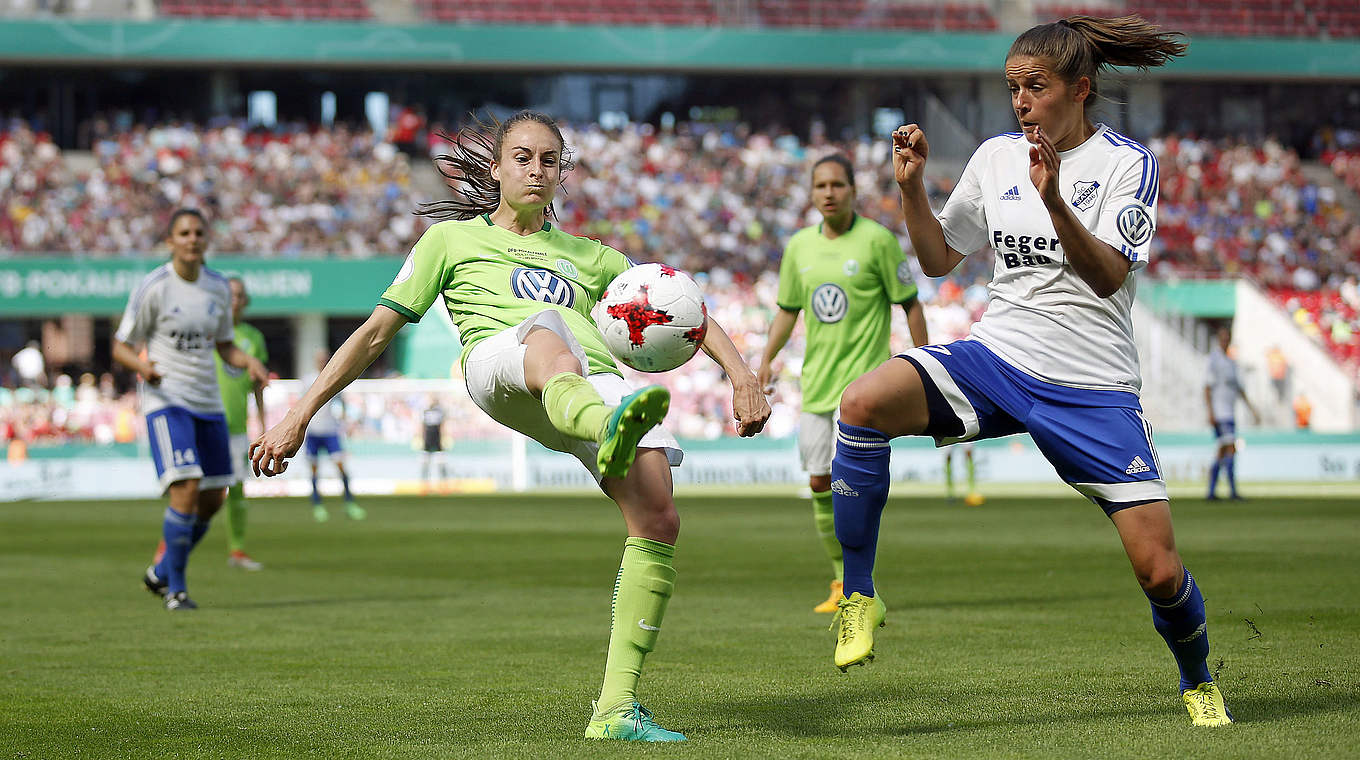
(574,407)
(642,590)
(949,477)
(972,475)
(236,518)
(825,517)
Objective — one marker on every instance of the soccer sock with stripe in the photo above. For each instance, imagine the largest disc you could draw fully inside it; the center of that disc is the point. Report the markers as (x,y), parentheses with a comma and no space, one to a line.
(824,515)
(236,518)
(574,407)
(1181,621)
(859,487)
(1230,467)
(642,589)
(178,531)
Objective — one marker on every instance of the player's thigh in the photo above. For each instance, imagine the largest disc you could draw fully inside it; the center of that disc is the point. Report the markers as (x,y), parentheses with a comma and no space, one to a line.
(817,443)
(214,452)
(1105,453)
(174,447)
(890,399)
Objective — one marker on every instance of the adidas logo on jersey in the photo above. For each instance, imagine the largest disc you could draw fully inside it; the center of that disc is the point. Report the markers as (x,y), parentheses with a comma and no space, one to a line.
(1012,194)
(842,488)
(1137,466)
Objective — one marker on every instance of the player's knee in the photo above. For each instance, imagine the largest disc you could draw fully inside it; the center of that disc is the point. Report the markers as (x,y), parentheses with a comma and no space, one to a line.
(861,404)
(820,483)
(1161,579)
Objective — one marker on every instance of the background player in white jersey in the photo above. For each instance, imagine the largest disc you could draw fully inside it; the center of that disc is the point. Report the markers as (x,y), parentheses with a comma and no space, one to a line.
(324,436)
(1221,391)
(1070,208)
(181,311)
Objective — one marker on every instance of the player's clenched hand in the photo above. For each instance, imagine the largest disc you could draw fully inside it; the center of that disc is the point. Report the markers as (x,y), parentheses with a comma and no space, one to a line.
(270,452)
(151,375)
(749,408)
(258,373)
(1043,168)
(909,153)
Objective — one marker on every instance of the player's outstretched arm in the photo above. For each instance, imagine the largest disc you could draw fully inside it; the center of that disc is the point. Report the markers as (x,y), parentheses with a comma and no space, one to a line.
(910,151)
(916,323)
(233,355)
(749,407)
(270,452)
(780,330)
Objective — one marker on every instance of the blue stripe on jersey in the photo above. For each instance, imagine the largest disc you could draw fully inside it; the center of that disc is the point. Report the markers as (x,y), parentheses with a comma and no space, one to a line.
(1129,253)
(151,279)
(1012,135)
(213,273)
(1147,192)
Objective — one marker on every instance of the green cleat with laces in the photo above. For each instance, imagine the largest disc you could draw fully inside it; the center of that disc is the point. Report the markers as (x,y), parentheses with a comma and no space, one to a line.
(637,413)
(630,722)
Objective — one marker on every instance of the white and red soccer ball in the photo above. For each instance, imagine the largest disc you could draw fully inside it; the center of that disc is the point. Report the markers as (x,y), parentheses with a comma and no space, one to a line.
(653,317)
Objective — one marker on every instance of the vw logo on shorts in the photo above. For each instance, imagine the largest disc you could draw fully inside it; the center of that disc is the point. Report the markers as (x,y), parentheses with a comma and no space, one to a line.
(829,303)
(1135,224)
(541,285)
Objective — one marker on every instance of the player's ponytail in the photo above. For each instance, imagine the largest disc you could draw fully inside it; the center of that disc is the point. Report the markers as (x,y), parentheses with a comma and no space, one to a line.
(1083,46)
(467,165)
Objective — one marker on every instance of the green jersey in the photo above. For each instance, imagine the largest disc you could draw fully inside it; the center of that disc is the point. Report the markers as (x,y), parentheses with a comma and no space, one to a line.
(236,384)
(848,286)
(493,279)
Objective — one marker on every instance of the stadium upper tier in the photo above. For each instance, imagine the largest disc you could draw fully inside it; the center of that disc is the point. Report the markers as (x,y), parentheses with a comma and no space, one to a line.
(1278,18)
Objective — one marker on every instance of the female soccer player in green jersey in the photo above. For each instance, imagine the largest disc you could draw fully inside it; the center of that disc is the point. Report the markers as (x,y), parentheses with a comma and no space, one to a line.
(847,272)
(520,292)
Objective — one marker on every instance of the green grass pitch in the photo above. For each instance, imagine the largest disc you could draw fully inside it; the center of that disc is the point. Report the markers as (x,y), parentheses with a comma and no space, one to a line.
(476,626)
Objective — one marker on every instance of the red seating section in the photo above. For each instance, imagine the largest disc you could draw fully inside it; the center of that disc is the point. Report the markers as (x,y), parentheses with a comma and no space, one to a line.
(1315,311)
(1234,18)
(311,10)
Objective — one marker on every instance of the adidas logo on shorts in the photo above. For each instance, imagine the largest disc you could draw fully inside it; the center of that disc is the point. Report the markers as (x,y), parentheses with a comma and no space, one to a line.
(842,488)
(1135,467)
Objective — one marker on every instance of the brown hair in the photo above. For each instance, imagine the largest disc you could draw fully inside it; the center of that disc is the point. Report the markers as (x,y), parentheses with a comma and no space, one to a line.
(467,165)
(177,213)
(1083,46)
(839,160)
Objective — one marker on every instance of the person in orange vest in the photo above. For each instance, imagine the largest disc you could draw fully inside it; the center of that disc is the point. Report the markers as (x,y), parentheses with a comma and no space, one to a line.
(1303,412)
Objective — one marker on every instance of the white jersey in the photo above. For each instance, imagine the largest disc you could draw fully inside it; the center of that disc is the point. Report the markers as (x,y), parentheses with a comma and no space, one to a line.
(1042,317)
(1224,386)
(181,323)
(324,422)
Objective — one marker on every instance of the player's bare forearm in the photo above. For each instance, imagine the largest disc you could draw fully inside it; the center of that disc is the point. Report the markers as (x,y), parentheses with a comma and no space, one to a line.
(1095,261)
(127,356)
(935,256)
(780,330)
(916,323)
(259,407)
(353,357)
(748,401)
(720,348)
(233,355)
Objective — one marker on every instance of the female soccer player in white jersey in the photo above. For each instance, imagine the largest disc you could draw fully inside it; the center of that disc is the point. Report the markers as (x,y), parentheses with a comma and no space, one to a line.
(1069,207)
(182,312)
(520,291)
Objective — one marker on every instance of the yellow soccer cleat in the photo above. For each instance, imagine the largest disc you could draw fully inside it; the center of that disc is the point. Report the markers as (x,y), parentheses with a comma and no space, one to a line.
(833,601)
(974,499)
(629,723)
(1205,703)
(855,621)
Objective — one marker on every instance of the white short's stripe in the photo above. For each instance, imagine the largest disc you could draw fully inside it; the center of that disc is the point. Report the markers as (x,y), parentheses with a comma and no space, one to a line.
(163,442)
(963,409)
(1142,490)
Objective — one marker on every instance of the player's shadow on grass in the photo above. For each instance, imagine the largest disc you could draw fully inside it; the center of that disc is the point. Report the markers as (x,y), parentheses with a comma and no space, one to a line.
(271,603)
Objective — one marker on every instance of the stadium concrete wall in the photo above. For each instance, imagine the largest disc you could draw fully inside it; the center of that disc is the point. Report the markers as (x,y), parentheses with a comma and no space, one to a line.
(1265,457)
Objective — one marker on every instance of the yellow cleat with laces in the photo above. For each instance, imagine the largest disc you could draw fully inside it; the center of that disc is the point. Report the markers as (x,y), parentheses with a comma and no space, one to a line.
(1205,703)
(855,622)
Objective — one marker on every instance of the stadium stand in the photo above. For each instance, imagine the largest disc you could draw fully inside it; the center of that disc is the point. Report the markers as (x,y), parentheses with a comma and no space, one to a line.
(311,10)
(1233,18)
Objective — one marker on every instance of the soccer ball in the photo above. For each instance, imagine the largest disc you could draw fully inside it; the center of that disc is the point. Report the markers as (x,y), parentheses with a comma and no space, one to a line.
(652,317)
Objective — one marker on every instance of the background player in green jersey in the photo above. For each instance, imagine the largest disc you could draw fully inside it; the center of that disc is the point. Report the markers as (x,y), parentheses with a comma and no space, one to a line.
(237,387)
(520,292)
(847,272)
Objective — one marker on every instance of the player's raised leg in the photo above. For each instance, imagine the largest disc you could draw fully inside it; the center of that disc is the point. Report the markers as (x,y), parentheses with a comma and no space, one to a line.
(885,403)
(1177,605)
(642,591)
(552,371)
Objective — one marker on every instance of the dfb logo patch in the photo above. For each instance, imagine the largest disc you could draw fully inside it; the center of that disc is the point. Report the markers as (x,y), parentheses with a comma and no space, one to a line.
(829,303)
(541,285)
(1135,224)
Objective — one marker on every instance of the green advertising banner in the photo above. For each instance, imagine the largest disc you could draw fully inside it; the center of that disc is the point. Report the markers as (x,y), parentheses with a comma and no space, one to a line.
(43,287)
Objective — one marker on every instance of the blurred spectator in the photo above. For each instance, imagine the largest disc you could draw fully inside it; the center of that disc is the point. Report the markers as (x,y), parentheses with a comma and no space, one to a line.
(1278,367)
(29,364)
(1303,412)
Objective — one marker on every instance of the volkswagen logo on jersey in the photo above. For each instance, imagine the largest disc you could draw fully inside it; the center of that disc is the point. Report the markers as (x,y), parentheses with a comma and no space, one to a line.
(1135,224)
(541,285)
(1084,194)
(829,303)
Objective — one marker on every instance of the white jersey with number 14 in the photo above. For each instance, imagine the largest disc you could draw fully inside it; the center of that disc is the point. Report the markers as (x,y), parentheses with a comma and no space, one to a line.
(1042,318)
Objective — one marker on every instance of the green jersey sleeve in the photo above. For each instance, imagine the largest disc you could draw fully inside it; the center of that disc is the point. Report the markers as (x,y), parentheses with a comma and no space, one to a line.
(612,264)
(422,277)
(790,296)
(898,284)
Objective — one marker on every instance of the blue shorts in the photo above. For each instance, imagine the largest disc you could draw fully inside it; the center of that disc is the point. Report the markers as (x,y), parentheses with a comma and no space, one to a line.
(1097,440)
(1226,432)
(317,443)
(186,445)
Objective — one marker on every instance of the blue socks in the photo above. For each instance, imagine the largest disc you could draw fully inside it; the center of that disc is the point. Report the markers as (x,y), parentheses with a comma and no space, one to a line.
(1213,477)
(316,490)
(1230,465)
(344,480)
(178,531)
(1181,622)
(859,490)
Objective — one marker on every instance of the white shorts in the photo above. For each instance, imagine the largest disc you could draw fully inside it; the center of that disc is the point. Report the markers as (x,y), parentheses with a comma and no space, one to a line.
(240,448)
(816,442)
(494,372)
